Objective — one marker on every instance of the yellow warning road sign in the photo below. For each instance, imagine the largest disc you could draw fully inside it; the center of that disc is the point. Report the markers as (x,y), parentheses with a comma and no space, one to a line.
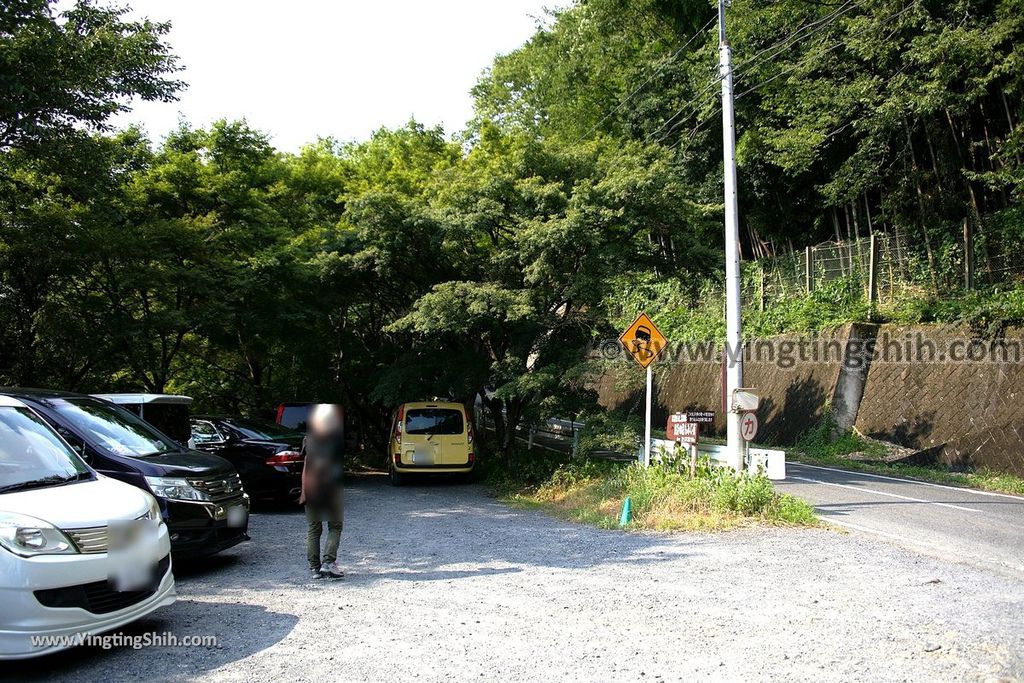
(643,341)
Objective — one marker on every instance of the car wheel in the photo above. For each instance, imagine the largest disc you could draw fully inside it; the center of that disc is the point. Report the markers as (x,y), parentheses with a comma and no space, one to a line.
(394,477)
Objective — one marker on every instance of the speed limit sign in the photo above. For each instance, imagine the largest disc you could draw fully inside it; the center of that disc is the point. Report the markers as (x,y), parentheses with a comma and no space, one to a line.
(748,426)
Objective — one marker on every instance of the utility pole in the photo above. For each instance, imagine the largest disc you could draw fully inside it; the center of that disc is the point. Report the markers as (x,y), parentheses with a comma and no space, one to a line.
(734,351)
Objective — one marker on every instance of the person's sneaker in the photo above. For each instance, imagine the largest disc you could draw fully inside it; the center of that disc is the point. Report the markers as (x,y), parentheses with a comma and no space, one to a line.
(317,572)
(331,569)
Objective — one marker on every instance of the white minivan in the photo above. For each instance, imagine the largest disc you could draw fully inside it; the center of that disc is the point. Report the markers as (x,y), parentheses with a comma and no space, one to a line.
(60,577)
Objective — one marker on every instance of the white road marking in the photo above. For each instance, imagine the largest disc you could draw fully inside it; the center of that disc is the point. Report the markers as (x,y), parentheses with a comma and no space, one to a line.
(910,481)
(883,493)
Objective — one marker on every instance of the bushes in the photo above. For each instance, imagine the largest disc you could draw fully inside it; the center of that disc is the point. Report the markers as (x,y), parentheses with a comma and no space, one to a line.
(521,471)
(824,440)
(664,497)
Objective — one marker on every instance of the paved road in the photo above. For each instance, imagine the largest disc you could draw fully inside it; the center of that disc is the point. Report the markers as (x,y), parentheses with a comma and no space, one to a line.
(444,583)
(978,527)
(964,525)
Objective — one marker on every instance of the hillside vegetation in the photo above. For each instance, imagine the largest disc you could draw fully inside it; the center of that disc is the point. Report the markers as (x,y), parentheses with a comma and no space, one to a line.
(419,263)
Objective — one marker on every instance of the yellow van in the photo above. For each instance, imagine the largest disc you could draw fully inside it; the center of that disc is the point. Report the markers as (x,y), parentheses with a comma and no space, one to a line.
(434,438)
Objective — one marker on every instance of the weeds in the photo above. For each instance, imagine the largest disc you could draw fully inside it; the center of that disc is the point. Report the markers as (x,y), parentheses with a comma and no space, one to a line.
(664,496)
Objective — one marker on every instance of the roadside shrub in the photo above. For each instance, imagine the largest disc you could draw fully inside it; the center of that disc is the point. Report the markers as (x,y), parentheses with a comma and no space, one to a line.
(604,431)
(665,496)
(825,440)
(524,469)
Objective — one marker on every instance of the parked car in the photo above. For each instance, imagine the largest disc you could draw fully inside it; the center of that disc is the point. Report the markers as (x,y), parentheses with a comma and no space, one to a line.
(434,438)
(267,456)
(294,415)
(167,412)
(55,517)
(200,495)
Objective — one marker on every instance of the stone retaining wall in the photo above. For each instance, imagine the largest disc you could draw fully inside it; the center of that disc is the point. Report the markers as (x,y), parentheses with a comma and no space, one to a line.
(958,413)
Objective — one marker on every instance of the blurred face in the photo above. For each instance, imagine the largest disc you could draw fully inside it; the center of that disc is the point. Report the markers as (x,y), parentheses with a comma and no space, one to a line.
(325,420)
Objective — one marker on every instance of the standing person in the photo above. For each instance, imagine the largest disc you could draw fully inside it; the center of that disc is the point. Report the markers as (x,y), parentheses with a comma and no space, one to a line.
(324,451)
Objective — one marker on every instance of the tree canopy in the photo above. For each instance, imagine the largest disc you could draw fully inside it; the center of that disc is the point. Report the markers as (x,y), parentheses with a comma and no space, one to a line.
(415,264)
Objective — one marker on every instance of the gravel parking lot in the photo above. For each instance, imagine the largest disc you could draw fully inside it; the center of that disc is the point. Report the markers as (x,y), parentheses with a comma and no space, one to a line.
(445,583)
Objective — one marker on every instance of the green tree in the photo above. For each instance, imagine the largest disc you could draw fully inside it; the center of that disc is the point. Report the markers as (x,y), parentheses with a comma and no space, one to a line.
(73,70)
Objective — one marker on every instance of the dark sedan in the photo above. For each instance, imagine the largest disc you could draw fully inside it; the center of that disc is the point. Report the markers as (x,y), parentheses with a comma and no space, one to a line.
(266,455)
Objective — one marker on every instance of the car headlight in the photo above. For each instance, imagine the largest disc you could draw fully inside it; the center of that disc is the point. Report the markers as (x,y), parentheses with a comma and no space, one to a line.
(153,514)
(174,488)
(28,536)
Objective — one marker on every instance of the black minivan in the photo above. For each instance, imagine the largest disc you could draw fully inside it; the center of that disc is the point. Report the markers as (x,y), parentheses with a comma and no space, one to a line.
(200,495)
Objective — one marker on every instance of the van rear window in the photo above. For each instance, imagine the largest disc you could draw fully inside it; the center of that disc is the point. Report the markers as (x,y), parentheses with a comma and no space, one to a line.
(295,416)
(434,421)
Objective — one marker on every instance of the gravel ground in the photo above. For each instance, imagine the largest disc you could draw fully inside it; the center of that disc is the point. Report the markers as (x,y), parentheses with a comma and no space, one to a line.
(445,583)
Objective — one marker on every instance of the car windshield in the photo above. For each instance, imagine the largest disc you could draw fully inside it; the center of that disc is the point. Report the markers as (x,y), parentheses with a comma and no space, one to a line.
(261,429)
(433,421)
(31,454)
(115,428)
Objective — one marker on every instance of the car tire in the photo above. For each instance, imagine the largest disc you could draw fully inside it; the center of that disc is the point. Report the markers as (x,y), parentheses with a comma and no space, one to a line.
(395,478)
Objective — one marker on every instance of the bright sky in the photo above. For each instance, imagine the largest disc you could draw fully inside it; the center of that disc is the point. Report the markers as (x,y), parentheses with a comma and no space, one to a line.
(339,68)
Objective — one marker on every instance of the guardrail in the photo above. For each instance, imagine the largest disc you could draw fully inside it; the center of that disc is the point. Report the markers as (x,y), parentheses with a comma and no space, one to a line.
(770,462)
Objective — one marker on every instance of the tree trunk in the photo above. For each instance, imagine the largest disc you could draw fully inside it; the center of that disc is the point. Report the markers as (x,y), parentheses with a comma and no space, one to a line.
(496,407)
(920,206)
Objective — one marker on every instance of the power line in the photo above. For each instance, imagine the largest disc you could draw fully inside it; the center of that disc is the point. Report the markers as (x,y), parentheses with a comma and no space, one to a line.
(788,41)
(682,109)
(814,28)
(643,85)
(697,106)
(803,62)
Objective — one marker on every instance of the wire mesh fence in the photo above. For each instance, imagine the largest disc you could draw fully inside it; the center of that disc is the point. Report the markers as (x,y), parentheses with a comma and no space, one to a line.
(885,267)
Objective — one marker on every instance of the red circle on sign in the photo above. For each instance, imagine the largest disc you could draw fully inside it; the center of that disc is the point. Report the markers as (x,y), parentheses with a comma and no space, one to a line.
(748,426)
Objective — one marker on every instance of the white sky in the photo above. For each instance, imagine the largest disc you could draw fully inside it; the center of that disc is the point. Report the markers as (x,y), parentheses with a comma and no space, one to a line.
(339,68)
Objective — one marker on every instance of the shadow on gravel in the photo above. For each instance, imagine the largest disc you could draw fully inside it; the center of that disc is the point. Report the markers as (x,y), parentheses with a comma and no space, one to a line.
(433,529)
(436,530)
(241,631)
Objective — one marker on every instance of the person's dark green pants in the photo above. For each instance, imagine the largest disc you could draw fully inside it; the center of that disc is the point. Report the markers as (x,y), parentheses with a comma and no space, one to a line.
(331,510)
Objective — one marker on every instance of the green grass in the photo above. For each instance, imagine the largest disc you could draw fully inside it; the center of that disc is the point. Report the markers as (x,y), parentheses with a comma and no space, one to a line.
(820,445)
(664,498)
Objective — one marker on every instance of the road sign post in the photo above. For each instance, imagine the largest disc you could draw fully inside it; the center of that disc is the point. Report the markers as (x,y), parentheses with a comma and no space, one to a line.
(644,342)
(647,418)
(685,433)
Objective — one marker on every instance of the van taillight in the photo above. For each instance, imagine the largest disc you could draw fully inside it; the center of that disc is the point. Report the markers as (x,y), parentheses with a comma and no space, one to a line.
(471,458)
(284,458)
(398,427)
(469,432)
(280,413)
